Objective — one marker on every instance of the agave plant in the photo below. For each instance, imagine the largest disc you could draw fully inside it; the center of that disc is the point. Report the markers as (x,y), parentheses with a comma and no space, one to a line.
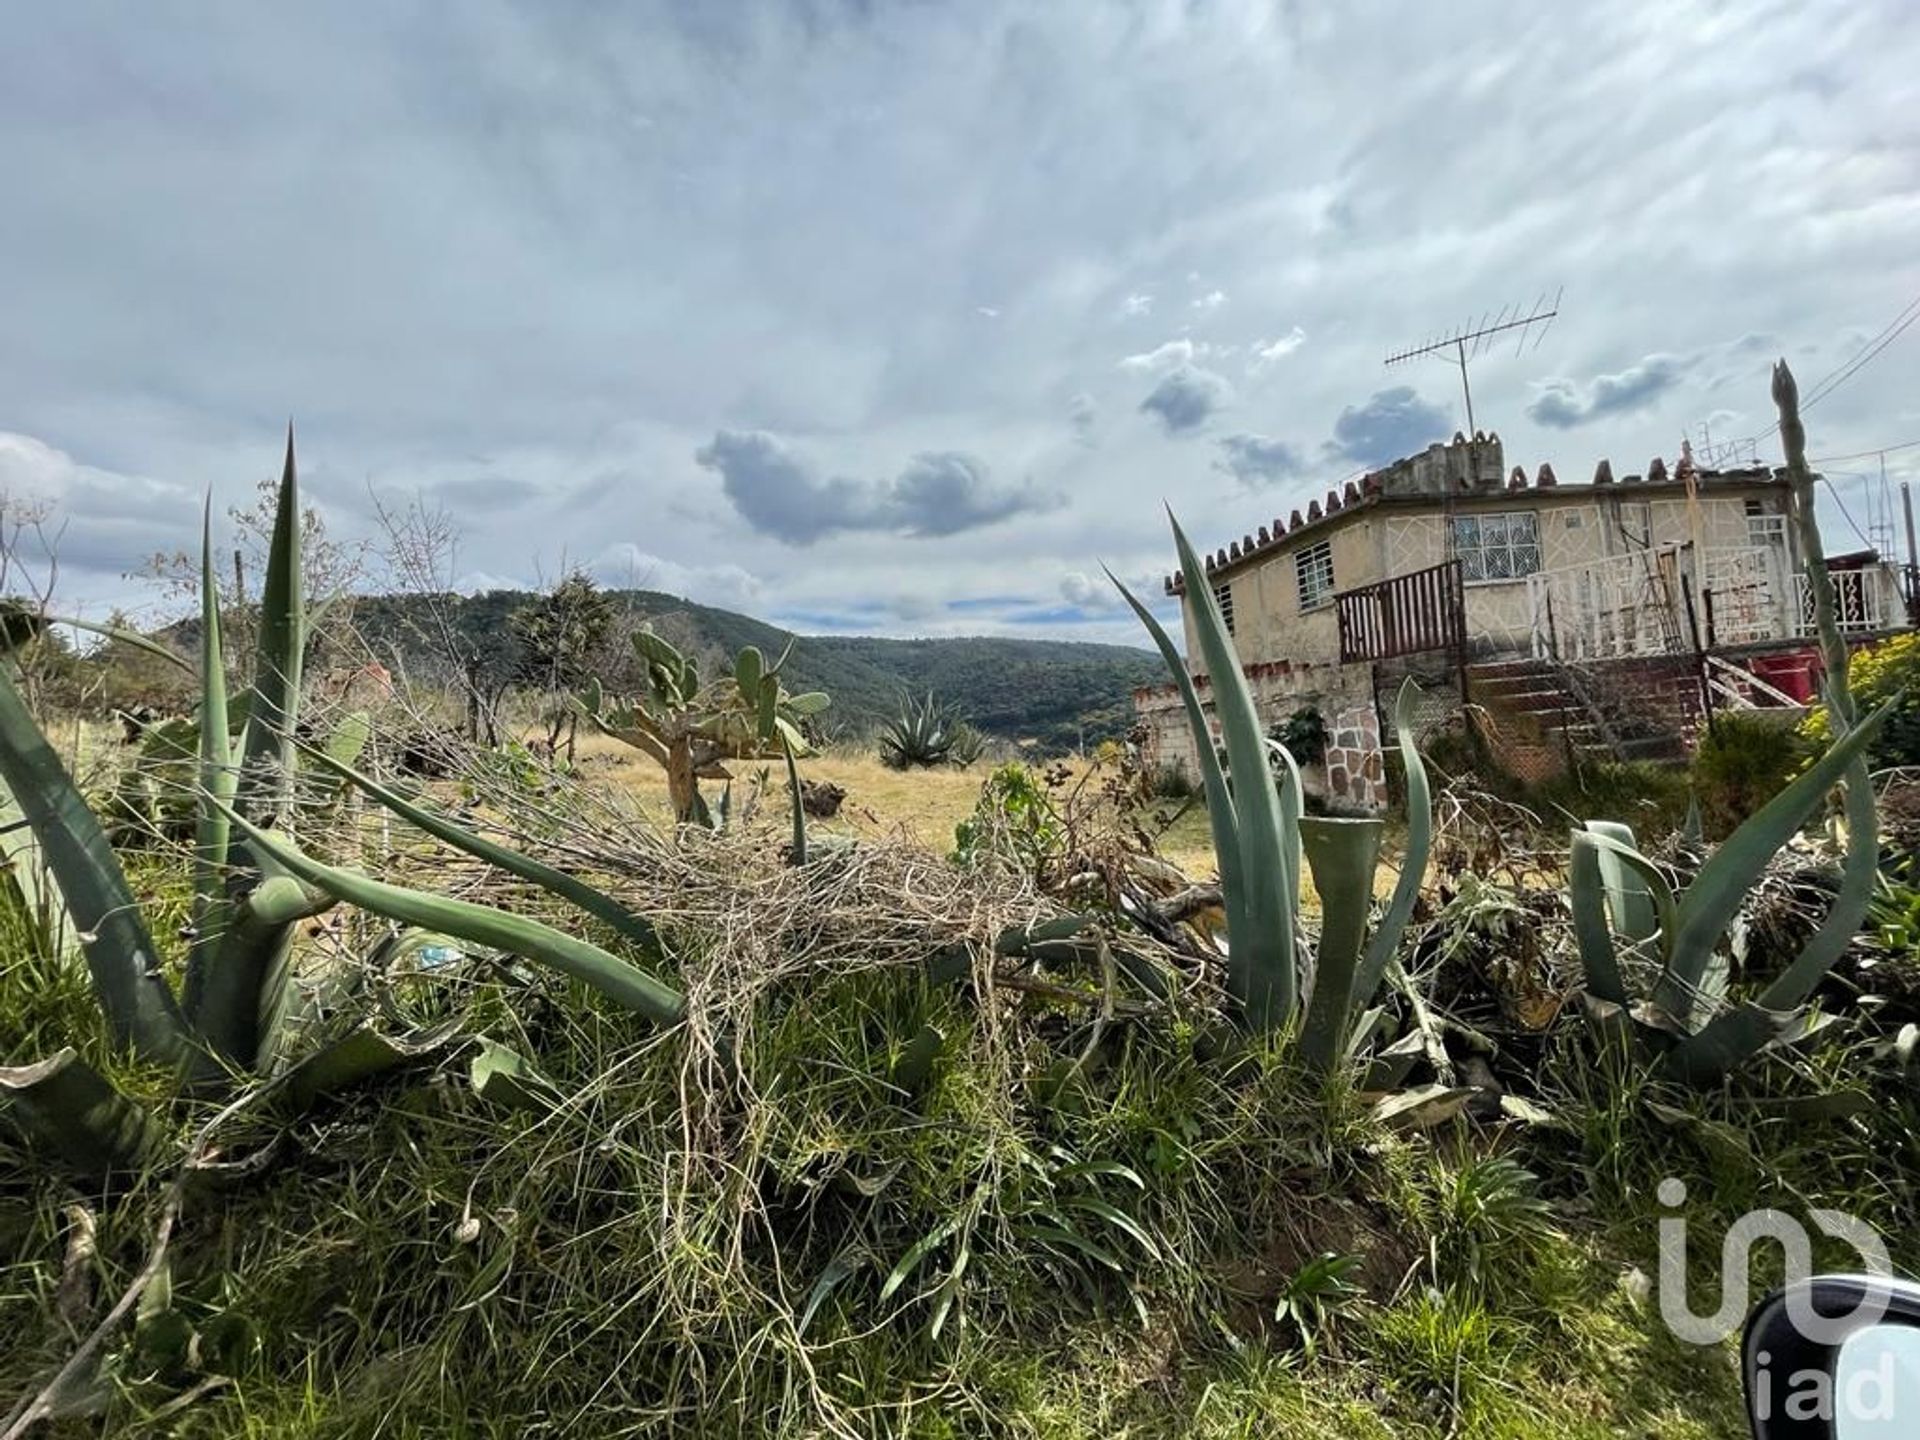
(693,729)
(1677,936)
(251,889)
(924,734)
(1259,836)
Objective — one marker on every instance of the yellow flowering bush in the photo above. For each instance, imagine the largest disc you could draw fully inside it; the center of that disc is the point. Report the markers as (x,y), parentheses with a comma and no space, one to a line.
(1877,674)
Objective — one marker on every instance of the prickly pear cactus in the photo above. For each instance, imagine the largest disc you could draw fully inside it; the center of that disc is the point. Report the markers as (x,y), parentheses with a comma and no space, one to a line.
(692,729)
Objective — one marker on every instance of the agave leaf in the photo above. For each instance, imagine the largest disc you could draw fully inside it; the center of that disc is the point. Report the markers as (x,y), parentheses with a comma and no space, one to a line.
(1628,896)
(1641,883)
(242,995)
(1723,1044)
(613,977)
(1857,878)
(67,1108)
(217,781)
(1292,810)
(1342,855)
(1413,863)
(798,854)
(1587,898)
(28,888)
(273,703)
(1390,1068)
(356,1057)
(505,1077)
(595,902)
(1261,961)
(119,634)
(133,995)
(1715,895)
(1220,812)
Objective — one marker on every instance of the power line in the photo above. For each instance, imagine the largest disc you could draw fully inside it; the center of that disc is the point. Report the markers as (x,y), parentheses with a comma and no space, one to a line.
(1834,490)
(1865,454)
(1834,379)
(1872,348)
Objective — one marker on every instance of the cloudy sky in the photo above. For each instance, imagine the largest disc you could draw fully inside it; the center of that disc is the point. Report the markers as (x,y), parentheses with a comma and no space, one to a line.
(902,317)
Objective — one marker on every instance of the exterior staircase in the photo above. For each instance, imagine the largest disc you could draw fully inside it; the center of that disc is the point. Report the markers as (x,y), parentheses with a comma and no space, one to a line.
(1546,698)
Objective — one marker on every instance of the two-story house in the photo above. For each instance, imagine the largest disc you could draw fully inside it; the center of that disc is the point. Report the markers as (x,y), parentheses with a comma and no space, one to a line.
(1607,614)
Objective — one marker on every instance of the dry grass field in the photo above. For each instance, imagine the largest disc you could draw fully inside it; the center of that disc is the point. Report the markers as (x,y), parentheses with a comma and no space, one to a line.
(923,805)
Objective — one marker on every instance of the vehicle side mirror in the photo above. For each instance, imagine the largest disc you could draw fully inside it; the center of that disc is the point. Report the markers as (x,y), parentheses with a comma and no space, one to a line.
(1836,1357)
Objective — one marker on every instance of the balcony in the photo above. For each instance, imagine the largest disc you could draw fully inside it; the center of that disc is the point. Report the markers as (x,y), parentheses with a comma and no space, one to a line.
(1657,602)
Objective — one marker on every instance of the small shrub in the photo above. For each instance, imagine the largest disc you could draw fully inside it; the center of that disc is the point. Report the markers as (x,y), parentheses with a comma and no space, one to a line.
(1013,822)
(1743,760)
(1876,675)
(1304,733)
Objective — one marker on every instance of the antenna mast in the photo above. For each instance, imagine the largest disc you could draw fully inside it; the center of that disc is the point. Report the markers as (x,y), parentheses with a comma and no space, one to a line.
(1469,341)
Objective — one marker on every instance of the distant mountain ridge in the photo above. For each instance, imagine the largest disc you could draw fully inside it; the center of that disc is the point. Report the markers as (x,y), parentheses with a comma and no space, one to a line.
(1054,694)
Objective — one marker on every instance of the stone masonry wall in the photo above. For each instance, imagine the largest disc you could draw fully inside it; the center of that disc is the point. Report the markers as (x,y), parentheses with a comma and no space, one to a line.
(1351,776)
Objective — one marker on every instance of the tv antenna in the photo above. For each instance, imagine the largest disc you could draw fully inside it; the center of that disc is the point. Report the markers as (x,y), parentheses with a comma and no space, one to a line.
(1469,341)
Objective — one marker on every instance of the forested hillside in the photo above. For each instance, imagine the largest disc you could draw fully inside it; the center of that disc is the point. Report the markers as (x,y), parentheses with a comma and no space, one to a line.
(1057,694)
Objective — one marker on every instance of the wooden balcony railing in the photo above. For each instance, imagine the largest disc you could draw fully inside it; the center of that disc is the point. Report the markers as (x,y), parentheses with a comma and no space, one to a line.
(1406,615)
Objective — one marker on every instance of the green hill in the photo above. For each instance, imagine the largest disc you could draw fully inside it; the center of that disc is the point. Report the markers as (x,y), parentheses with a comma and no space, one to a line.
(1056,694)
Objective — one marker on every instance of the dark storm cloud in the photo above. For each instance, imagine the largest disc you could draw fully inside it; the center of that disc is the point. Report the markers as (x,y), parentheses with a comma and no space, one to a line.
(1393,423)
(1257,460)
(938,493)
(1186,398)
(1563,404)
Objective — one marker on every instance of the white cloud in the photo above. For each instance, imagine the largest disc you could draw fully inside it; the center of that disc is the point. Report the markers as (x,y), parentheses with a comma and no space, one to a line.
(1265,352)
(1212,300)
(1162,358)
(629,567)
(776,260)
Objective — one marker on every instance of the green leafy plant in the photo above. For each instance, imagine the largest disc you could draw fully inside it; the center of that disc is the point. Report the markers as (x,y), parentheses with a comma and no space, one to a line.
(692,729)
(923,735)
(251,889)
(1304,733)
(1071,1214)
(1316,1293)
(1014,821)
(1489,1209)
(1627,918)
(1258,838)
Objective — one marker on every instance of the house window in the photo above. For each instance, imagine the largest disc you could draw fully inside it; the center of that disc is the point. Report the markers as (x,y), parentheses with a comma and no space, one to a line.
(1764,529)
(1223,597)
(1505,546)
(1313,569)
